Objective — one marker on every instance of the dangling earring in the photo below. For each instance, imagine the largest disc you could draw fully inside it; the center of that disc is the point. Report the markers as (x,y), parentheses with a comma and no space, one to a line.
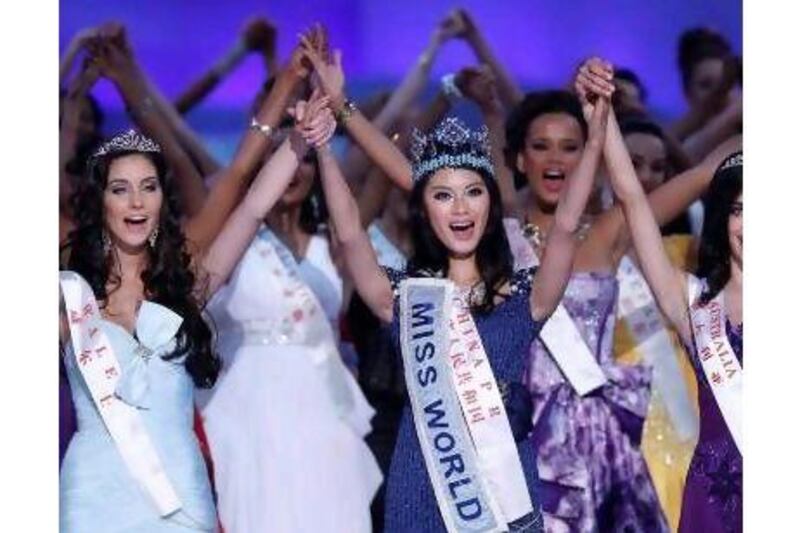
(153,238)
(106,242)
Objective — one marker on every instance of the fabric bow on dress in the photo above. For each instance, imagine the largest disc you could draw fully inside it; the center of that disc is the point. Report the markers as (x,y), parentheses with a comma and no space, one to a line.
(156,327)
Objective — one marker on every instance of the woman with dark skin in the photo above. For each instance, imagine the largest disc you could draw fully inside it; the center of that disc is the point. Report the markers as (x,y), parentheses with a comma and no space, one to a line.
(299,443)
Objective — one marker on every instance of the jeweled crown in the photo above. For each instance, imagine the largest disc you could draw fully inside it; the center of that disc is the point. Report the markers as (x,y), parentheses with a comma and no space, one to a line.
(129,141)
(731,161)
(452,144)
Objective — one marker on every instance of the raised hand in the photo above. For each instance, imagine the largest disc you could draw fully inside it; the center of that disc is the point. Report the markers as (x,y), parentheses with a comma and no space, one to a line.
(470,29)
(259,34)
(314,120)
(329,74)
(299,65)
(84,81)
(595,78)
(479,85)
(598,120)
(83,37)
(112,61)
(452,26)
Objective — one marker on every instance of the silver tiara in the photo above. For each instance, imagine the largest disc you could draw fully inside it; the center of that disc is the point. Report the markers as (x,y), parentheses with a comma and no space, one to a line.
(129,141)
(451,145)
(733,161)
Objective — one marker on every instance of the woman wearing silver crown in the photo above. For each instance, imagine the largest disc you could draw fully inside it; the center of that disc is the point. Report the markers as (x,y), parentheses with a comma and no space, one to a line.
(462,320)
(134,341)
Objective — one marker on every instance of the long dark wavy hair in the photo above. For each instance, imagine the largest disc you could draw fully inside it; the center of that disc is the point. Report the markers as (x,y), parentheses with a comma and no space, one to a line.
(493,254)
(168,279)
(714,257)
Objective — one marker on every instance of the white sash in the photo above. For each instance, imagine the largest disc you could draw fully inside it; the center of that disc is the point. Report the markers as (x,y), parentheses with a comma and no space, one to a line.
(94,357)
(721,367)
(559,334)
(461,422)
(306,322)
(639,310)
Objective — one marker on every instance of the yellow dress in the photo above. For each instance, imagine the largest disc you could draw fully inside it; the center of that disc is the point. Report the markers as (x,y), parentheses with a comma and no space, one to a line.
(666,455)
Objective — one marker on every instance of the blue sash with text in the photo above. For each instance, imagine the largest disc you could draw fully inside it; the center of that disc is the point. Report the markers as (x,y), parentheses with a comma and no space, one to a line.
(444,438)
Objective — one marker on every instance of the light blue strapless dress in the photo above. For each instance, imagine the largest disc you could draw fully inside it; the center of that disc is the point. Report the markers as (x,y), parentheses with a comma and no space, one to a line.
(97,491)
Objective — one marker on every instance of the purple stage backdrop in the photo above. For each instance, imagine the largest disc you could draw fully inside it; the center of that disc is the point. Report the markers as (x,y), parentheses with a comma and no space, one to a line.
(539,41)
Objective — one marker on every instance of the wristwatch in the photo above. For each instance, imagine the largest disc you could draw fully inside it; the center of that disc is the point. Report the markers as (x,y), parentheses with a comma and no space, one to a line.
(265,129)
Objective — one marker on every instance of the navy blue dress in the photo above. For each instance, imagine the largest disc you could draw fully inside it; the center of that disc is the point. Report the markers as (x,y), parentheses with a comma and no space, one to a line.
(506,333)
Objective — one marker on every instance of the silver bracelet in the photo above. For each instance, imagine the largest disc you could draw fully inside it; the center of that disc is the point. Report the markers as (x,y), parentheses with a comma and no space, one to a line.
(264,129)
(450,89)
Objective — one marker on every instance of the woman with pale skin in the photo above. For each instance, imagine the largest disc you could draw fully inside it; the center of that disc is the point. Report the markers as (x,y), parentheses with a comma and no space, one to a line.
(150,288)
(205,211)
(712,500)
(109,55)
(670,429)
(456,222)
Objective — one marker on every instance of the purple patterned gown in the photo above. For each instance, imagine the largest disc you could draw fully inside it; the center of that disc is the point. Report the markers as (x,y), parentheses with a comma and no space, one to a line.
(712,498)
(592,472)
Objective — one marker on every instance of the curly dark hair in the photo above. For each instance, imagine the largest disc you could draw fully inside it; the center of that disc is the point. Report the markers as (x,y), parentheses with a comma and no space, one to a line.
(714,257)
(168,280)
(529,109)
(493,254)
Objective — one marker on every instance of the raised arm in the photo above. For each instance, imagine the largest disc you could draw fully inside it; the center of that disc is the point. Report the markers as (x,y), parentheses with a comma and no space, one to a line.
(356,162)
(316,123)
(673,197)
(258,35)
(76,44)
(370,280)
(715,131)
(372,196)
(232,182)
(118,64)
(375,190)
(667,282)
(68,130)
(478,84)
(508,90)
(559,253)
(668,200)
(378,147)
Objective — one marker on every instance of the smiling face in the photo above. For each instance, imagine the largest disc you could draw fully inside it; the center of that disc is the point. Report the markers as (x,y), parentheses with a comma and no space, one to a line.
(457,206)
(735,230)
(132,201)
(649,157)
(553,146)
